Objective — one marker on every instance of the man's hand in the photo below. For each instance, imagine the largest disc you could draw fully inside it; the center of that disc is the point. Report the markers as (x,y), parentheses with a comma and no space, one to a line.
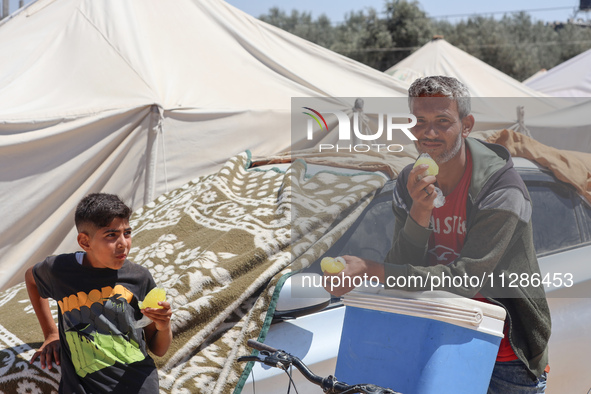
(422,193)
(49,352)
(355,267)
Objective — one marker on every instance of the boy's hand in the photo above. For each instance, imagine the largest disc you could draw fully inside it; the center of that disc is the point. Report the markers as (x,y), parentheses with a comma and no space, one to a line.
(160,317)
(49,352)
(159,332)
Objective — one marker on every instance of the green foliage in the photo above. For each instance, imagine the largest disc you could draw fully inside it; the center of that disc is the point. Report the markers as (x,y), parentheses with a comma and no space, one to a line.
(362,31)
(514,44)
(408,26)
(319,31)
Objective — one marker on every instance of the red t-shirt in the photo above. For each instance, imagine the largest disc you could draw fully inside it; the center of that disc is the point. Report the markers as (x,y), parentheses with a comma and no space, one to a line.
(449,233)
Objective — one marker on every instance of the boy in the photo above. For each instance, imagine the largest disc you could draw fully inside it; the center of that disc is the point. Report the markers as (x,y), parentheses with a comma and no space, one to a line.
(98,346)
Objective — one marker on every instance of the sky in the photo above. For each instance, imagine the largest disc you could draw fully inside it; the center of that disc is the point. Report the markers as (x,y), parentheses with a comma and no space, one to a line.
(547,10)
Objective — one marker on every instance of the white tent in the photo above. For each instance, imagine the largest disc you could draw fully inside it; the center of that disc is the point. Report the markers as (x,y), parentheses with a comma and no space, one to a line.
(137,97)
(569,128)
(537,74)
(501,101)
(569,79)
(439,57)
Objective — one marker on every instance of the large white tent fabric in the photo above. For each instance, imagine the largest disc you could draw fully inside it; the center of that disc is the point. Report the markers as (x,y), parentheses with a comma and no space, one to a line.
(571,78)
(137,97)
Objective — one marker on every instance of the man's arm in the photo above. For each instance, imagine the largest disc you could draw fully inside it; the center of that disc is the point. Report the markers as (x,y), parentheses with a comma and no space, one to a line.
(412,209)
(412,251)
(494,236)
(159,333)
(50,350)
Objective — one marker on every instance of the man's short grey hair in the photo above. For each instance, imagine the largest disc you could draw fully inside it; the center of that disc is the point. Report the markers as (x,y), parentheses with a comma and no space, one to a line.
(441,86)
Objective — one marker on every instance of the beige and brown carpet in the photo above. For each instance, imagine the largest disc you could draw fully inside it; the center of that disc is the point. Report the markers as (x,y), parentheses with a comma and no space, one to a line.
(221,245)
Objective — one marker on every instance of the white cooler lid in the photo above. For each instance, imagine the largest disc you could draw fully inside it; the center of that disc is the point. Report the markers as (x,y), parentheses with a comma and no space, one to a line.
(436,305)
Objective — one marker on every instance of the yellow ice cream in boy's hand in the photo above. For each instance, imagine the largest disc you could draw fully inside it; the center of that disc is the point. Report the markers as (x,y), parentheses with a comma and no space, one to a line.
(152,298)
(433,169)
(332,265)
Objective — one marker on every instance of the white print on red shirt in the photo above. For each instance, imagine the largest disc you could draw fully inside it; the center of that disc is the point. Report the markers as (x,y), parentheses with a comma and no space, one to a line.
(450,223)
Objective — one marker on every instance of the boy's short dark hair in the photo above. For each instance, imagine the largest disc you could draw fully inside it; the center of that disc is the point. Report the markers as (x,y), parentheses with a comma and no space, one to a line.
(99,210)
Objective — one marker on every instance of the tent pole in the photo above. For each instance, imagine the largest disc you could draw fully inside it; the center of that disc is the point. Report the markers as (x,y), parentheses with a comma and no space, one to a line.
(5,8)
(156,115)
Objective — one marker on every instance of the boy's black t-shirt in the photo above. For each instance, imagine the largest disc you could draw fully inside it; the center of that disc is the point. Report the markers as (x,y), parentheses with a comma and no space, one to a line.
(101,351)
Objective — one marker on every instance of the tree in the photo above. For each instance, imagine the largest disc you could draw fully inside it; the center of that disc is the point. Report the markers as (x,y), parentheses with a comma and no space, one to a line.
(514,44)
(572,40)
(363,37)
(319,31)
(409,28)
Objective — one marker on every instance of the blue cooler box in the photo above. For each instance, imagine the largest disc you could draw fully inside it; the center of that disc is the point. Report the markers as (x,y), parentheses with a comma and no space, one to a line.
(419,342)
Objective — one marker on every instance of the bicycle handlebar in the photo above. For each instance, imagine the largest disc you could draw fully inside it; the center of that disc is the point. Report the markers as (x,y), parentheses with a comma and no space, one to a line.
(260,346)
(330,385)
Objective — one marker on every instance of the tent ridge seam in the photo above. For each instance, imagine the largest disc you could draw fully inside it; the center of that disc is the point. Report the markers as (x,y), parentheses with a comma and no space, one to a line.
(116,50)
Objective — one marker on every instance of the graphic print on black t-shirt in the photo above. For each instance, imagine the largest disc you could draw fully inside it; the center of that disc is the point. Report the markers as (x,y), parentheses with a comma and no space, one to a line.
(102,349)
(98,329)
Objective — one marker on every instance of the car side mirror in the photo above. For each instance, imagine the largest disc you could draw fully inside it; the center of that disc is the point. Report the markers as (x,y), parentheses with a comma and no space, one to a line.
(301,294)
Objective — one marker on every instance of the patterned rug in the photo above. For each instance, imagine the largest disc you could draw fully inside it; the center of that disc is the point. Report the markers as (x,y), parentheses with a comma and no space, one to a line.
(221,245)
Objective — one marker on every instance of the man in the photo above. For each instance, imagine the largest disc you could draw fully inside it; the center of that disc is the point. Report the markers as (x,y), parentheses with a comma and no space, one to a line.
(483,230)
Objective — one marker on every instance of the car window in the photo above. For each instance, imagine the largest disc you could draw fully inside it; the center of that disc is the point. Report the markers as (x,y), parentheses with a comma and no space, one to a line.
(586,216)
(372,238)
(554,218)
(371,235)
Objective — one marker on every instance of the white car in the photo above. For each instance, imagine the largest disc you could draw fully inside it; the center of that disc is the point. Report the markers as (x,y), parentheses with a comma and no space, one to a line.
(310,328)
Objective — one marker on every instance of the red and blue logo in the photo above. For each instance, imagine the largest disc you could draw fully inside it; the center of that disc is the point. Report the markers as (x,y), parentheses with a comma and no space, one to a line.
(315,118)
